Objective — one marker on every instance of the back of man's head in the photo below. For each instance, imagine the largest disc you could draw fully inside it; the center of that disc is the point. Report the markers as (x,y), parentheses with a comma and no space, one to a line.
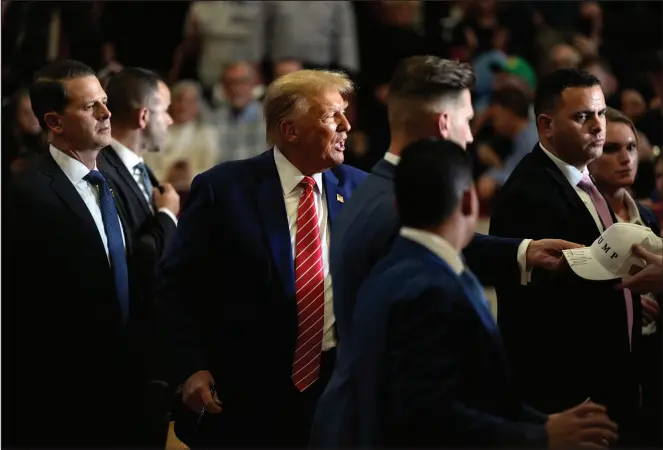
(429,182)
(421,84)
(48,92)
(550,88)
(130,89)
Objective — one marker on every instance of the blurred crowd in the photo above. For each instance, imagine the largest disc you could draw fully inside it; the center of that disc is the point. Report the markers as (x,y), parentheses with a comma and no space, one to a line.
(218,57)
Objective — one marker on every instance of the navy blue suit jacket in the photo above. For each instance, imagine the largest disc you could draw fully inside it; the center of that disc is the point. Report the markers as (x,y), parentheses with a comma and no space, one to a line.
(426,362)
(228,293)
(362,235)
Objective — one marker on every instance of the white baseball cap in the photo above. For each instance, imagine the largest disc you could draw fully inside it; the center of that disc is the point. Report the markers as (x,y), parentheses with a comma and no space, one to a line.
(611,255)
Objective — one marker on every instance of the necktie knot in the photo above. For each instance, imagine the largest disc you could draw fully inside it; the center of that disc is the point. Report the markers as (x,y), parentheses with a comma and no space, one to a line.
(308,183)
(140,167)
(586,183)
(95,177)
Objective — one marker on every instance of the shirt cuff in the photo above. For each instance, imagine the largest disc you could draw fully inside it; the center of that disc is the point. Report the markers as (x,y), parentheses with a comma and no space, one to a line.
(170,214)
(525,272)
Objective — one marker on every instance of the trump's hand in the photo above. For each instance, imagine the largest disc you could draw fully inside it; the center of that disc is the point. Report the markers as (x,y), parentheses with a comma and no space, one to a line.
(649,279)
(547,253)
(585,426)
(196,393)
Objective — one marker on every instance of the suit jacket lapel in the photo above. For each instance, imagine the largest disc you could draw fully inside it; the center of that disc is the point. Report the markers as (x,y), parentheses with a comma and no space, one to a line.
(63,188)
(334,195)
(566,190)
(275,220)
(122,172)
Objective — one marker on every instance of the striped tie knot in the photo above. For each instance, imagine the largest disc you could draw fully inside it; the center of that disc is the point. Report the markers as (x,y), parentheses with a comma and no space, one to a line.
(308,183)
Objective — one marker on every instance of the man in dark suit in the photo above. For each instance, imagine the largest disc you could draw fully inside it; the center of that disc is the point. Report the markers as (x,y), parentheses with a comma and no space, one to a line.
(246,286)
(426,353)
(428,97)
(139,101)
(567,338)
(74,313)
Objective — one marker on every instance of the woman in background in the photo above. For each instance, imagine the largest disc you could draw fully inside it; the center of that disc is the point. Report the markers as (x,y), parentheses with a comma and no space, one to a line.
(614,173)
(23,140)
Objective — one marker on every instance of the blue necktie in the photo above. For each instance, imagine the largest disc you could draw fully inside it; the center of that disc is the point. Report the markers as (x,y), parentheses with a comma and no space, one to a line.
(144,176)
(114,237)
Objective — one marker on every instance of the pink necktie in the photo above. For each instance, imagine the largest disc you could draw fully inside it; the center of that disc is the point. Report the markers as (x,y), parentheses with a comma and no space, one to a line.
(603,211)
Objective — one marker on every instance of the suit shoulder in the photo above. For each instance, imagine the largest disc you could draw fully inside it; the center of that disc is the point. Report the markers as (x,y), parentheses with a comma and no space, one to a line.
(28,183)
(348,175)
(227,173)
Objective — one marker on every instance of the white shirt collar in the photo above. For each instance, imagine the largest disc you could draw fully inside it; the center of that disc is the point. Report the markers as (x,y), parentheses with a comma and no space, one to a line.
(571,173)
(72,168)
(392,159)
(633,211)
(437,246)
(291,176)
(129,158)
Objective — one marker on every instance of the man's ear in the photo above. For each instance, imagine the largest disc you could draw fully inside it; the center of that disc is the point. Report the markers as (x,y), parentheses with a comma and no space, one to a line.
(143,117)
(544,123)
(443,125)
(469,202)
(53,122)
(288,131)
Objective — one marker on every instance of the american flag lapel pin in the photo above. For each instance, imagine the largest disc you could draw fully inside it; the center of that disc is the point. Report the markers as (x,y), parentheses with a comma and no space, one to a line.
(339,198)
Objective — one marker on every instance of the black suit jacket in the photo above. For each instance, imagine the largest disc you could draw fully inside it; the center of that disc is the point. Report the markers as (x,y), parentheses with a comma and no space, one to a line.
(71,368)
(151,232)
(566,337)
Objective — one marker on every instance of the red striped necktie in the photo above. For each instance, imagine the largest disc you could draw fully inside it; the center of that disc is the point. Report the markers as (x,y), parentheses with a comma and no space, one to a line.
(309,288)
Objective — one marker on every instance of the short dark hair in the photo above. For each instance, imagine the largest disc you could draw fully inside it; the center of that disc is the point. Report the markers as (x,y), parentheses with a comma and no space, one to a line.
(426,77)
(513,99)
(131,88)
(419,81)
(48,92)
(429,181)
(551,86)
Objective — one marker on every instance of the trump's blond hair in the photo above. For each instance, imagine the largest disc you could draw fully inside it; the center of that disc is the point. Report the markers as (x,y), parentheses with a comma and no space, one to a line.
(288,96)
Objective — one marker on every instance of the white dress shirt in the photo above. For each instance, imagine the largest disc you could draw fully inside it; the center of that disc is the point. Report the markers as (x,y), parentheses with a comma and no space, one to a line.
(75,172)
(521,256)
(437,245)
(291,178)
(573,175)
(130,160)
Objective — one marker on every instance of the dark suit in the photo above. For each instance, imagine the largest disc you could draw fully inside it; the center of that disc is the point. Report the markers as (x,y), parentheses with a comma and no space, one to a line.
(229,294)
(72,369)
(363,234)
(427,361)
(566,337)
(151,232)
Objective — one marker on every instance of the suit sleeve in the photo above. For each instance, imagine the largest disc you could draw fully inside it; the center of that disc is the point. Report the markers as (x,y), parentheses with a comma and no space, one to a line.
(425,360)
(183,286)
(492,258)
(153,237)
